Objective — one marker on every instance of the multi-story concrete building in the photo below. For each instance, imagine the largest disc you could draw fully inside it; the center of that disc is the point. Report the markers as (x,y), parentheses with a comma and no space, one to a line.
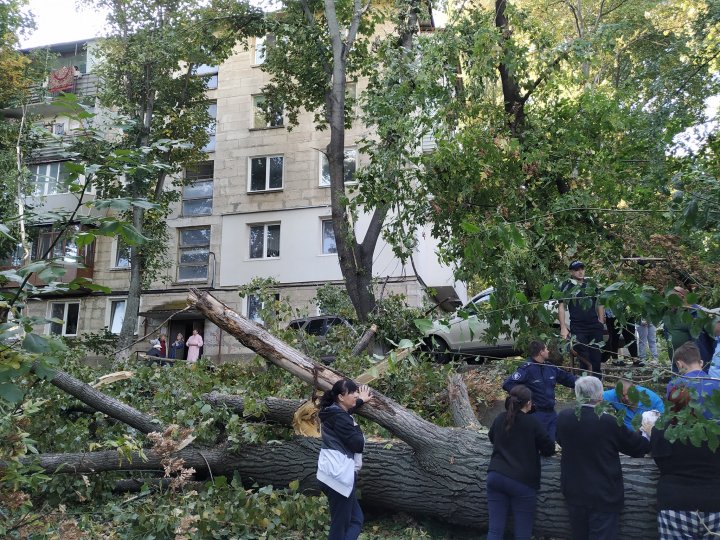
(259,206)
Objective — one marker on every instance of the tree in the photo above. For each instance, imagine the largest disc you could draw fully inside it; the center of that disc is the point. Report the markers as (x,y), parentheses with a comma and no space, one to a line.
(324,46)
(552,124)
(147,75)
(433,470)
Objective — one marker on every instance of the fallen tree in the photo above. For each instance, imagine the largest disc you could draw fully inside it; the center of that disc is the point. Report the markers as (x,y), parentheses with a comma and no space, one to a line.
(432,471)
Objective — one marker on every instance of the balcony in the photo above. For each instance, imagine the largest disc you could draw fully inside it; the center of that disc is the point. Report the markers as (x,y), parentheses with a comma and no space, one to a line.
(78,263)
(43,102)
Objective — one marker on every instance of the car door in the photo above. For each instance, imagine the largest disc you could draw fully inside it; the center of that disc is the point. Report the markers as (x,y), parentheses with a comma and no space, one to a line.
(466,331)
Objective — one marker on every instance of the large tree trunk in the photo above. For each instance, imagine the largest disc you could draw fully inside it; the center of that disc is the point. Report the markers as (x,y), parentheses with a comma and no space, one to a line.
(446,486)
(433,471)
(439,472)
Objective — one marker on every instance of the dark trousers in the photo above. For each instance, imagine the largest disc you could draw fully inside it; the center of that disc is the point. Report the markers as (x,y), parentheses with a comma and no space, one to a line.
(613,342)
(587,524)
(346,517)
(591,353)
(549,420)
(504,493)
(628,334)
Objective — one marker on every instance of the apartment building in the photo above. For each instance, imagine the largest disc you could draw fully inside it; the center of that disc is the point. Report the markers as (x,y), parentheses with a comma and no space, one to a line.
(257,207)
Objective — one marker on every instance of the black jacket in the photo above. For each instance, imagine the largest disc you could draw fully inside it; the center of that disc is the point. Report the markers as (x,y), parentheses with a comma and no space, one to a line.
(516,453)
(339,431)
(590,472)
(689,475)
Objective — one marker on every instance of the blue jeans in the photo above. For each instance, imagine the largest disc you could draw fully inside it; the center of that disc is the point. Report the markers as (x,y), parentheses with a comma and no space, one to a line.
(587,524)
(346,517)
(504,493)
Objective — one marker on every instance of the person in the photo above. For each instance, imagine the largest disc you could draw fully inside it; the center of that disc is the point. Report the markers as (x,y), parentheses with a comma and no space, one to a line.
(692,381)
(341,456)
(612,345)
(154,351)
(513,479)
(587,317)
(714,369)
(688,487)
(541,377)
(194,343)
(163,346)
(646,339)
(177,348)
(678,330)
(590,474)
(632,409)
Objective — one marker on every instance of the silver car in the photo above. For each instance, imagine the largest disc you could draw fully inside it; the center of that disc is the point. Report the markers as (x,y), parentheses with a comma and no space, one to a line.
(464,335)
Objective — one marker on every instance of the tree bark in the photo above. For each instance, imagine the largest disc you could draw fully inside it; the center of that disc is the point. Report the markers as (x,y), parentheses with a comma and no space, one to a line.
(393,476)
(104,403)
(436,471)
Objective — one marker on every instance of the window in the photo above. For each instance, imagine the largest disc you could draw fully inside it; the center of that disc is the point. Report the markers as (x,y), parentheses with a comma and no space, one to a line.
(66,315)
(122,254)
(48,179)
(65,249)
(212,128)
(261,44)
(197,195)
(58,128)
(255,306)
(261,119)
(209,74)
(350,167)
(264,241)
(193,253)
(117,315)
(328,237)
(266,173)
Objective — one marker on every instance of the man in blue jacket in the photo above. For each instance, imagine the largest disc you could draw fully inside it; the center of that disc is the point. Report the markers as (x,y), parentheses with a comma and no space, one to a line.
(541,377)
(632,409)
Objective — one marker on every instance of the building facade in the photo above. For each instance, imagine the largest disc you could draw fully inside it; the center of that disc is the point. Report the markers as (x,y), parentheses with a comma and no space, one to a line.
(259,206)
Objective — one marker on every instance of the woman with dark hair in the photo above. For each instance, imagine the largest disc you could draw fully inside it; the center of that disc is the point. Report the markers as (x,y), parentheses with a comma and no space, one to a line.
(687,490)
(518,439)
(341,456)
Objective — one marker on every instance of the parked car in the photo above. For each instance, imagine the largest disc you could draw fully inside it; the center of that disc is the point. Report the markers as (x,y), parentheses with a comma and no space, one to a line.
(319,327)
(465,334)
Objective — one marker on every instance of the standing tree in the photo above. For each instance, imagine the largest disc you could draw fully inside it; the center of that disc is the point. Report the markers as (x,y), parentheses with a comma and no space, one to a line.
(146,72)
(324,46)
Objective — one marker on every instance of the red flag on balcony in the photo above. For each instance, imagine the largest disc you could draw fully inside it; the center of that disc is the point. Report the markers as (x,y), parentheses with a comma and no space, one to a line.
(61,79)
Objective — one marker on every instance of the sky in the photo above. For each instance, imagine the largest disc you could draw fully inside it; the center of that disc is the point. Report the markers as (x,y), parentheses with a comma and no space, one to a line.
(59,21)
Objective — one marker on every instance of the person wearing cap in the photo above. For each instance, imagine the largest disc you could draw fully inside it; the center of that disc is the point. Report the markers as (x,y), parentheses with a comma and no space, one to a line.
(587,317)
(541,377)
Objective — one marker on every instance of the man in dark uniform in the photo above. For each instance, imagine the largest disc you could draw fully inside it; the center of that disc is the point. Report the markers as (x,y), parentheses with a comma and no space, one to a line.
(541,377)
(587,317)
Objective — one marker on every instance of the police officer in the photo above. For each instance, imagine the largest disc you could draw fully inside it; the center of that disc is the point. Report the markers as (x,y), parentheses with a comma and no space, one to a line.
(541,377)
(587,316)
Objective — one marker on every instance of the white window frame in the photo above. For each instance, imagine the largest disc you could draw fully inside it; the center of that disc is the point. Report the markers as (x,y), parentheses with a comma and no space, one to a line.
(323,222)
(209,73)
(180,248)
(324,161)
(198,179)
(265,226)
(115,252)
(267,174)
(43,189)
(212,128)
(260,50)
(258,120)
(109,313)
(256,318)
(63,330)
